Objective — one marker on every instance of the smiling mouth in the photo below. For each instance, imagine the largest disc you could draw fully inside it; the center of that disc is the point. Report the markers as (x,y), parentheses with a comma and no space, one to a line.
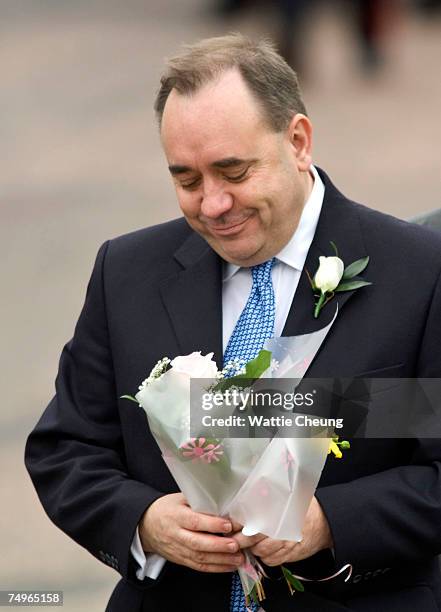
(229,230)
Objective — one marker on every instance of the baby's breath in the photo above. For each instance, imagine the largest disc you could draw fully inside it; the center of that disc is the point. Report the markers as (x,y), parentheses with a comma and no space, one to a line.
(234,367)
(156,372)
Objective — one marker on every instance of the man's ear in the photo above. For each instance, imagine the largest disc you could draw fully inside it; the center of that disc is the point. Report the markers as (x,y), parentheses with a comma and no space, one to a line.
(299,133)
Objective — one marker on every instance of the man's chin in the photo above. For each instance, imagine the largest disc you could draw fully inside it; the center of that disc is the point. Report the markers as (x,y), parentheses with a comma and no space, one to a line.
(239,255)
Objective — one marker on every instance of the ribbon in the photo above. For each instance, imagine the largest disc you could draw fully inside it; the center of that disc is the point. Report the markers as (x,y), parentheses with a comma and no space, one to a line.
(348,566)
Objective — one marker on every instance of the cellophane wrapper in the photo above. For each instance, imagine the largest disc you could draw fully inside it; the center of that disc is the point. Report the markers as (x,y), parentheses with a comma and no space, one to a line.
(264,484)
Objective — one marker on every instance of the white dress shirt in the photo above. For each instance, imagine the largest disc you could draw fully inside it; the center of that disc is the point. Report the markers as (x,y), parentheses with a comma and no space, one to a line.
(236,287)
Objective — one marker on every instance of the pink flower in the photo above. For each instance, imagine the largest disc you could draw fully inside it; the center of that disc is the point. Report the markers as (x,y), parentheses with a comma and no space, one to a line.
(213,454)
(194,448)
(197,449)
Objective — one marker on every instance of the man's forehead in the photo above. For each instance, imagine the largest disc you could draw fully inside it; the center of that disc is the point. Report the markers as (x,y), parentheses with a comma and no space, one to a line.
(221,84)
(225,98)
(215,125)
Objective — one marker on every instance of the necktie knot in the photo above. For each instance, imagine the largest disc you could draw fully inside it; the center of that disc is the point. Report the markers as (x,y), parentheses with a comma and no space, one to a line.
(261,273)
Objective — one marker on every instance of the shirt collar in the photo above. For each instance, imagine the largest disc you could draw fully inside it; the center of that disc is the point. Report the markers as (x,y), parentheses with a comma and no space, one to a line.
(294,253)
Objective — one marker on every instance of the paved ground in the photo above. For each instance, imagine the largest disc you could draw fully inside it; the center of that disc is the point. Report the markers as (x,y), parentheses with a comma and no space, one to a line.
(81,163)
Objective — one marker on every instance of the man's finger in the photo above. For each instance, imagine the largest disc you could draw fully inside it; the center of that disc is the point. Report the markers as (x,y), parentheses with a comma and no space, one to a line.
(207,558)
(197,521)
(205,542)
(274,560)
(267,547)
(235,526)
(212,568)
(248,541)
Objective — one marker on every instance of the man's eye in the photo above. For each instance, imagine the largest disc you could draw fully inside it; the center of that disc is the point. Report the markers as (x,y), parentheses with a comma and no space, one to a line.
(190,184)
(236,178)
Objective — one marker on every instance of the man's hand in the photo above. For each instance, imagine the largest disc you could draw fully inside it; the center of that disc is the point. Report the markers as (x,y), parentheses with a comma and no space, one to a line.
(172,529)
(316,536)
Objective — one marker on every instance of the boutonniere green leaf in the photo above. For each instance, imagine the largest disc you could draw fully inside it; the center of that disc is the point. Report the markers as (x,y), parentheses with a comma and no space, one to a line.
(333,277)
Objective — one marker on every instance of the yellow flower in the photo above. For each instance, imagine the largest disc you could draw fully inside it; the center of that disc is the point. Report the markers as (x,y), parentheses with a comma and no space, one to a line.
(333,448)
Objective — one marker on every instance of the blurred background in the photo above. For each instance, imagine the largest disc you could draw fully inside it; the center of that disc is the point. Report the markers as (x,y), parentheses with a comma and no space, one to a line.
(81,162)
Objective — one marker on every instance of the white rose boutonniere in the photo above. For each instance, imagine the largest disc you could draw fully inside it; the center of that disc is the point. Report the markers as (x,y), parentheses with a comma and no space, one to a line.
(332,277)
(329,273)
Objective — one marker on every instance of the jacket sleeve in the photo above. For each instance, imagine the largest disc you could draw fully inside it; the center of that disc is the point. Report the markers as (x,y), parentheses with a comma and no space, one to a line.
(394,516)
(75,454)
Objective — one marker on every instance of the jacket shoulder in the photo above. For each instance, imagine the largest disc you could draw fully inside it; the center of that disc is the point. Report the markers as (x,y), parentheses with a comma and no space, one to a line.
(406,238)
(163,236)
(382,232)
(146,253)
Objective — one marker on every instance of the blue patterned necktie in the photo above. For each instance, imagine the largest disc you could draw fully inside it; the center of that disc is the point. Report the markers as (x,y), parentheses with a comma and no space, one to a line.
(254,326)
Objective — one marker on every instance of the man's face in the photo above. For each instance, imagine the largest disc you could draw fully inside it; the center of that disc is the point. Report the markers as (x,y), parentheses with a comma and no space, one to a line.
(239,184)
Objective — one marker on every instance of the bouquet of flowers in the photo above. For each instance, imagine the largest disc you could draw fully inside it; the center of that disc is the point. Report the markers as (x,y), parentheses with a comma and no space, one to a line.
(232,476)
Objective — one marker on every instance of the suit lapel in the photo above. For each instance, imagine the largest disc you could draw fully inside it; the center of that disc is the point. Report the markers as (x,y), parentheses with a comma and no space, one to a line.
(339,223)
(193,299)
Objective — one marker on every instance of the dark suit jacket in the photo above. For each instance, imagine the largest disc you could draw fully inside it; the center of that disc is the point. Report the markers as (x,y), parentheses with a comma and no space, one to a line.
(157,292)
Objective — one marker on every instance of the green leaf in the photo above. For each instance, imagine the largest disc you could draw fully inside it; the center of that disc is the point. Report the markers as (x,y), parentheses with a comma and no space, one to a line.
(129,397)
(334,246)
(352,285)
(356,267)
(311,280)
(257,366)
(253,370)
(254,597)
(293,581)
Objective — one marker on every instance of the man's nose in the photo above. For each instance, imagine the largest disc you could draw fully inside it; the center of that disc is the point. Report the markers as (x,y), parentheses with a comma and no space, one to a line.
(215,203)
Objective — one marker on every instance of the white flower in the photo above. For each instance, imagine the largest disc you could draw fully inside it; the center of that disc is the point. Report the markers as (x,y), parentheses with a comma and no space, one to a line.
(156,373)
(329,273)
(234,367)
(195,365)
(274,365)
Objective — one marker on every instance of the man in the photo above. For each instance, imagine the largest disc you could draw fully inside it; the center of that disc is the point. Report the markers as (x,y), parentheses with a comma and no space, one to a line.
(238,145)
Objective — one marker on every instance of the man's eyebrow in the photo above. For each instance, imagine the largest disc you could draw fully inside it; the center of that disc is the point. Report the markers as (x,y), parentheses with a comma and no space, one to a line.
(231,162)
(179,169)
(227,162)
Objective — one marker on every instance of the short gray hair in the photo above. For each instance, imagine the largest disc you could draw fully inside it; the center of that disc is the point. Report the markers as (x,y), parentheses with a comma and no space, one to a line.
(271,80)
